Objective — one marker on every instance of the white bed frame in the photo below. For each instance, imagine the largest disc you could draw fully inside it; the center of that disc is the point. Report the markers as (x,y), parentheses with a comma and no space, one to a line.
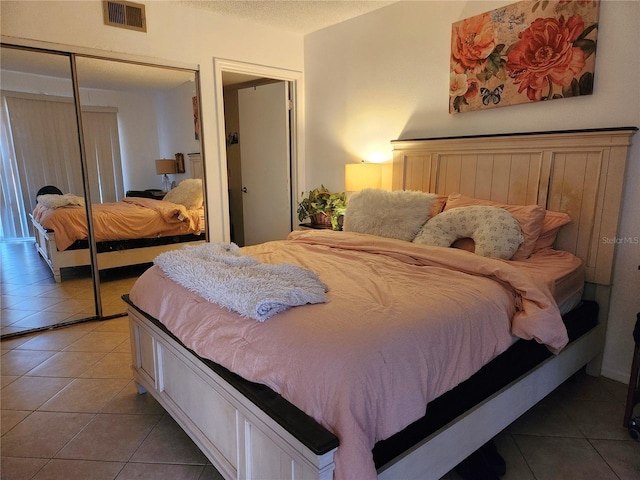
(577,172)
(59,259)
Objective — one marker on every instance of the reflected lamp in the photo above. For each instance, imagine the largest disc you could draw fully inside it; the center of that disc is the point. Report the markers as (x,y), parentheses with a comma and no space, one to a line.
(165,166)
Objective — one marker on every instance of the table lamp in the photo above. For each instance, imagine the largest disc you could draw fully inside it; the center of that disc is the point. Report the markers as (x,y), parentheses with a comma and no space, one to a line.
(165,166)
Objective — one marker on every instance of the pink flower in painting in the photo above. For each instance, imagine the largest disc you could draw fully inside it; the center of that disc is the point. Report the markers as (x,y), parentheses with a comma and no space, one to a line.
(472,88)
(545,53)
(471,43)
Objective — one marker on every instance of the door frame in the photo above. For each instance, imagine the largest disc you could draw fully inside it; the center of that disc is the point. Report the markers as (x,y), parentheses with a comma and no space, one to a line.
(296,126)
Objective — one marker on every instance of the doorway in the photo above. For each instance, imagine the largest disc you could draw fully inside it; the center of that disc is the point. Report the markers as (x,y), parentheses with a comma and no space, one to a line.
(273,176)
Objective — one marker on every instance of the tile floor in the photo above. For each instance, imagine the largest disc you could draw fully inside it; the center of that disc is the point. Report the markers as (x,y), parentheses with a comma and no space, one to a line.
(71,410)
(32,299)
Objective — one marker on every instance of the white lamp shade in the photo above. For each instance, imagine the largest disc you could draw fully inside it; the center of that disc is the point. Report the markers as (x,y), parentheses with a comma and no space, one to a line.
(358,176)
(165,165)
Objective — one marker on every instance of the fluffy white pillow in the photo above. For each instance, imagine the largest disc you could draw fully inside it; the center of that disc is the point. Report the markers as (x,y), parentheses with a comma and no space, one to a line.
(495,231)
(398,214)
(187,193)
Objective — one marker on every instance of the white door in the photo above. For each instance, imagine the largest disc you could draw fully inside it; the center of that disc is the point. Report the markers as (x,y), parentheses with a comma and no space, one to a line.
(264,153)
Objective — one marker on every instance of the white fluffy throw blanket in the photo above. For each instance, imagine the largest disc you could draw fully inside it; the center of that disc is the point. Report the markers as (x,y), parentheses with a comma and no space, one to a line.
(221,274)
(53,201)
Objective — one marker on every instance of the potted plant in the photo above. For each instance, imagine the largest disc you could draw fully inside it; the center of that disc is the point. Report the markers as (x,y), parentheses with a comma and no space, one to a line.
(323,207)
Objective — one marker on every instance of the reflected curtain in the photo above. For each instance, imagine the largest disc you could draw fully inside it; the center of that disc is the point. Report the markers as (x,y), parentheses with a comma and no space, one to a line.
(46,152)
(13,218)
(102,149)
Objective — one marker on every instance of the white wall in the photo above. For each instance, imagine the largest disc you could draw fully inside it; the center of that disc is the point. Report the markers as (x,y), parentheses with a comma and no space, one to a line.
(384,76)
(176,35)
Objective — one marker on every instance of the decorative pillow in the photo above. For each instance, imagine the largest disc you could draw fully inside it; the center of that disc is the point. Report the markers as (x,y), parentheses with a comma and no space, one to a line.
(552,223)
(495,231)
(398,214)
(187,193)
(530,218)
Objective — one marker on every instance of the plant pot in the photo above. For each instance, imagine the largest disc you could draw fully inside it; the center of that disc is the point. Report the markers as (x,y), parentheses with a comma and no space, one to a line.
(321,219)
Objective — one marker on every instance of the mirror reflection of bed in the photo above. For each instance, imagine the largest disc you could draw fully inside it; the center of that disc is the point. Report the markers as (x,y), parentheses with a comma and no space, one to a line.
(126,128)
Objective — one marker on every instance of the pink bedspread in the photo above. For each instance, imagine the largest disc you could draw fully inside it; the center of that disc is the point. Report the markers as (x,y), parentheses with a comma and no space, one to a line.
(404,323)
(131,218)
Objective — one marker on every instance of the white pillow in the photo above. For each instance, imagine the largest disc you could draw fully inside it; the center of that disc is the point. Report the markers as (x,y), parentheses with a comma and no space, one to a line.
(495,231)
(187,193)
(398,214)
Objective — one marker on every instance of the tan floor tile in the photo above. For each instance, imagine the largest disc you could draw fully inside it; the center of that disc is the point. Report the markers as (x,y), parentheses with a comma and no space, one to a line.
(57,469)
(601,420)
(622,457)
(109,309)
(517,468)
(563,458)
(15,342)
(66,364)
(7,379)
(120,324)
(129,401)
(41,319)
(88,395)
(10,418)
(14,468)
(28,393)
(11,316)
(110,438)
(112,365)
(53,340)
(19,362)
(545,419)
(97,341)
(37,303)
(124,347)
(72,305)
(9,301)
(168,443)
(43,434)
(151,471)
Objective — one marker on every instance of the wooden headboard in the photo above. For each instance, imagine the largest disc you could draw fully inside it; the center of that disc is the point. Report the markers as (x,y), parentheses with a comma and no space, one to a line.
(578,172)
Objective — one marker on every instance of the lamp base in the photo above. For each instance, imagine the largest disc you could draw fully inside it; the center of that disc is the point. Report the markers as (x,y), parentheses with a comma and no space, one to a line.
(166,183)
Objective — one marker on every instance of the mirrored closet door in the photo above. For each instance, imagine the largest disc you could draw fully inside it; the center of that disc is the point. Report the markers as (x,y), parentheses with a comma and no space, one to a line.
(40,154)
(136,137)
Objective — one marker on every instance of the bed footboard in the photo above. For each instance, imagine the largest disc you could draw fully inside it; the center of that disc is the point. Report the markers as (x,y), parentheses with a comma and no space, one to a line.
(55,259)
(444,449)
(239,439)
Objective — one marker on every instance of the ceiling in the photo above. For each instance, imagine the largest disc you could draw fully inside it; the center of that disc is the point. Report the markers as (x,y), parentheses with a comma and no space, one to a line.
(298,16)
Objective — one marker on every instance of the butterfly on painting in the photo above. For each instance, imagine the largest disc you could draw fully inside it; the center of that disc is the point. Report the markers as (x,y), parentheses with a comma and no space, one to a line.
(488,96)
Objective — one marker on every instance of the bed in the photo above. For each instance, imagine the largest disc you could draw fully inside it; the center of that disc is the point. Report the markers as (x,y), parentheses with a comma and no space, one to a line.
(130,232)
(230,406)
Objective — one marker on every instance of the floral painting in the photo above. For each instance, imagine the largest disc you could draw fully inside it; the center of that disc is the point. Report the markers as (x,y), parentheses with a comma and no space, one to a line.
(526,52)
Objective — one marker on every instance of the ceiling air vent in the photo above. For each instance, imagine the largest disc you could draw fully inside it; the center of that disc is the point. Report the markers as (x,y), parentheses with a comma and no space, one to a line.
(118,13)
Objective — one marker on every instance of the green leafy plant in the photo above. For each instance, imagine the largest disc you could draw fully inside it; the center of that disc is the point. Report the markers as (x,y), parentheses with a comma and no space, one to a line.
(321,202)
